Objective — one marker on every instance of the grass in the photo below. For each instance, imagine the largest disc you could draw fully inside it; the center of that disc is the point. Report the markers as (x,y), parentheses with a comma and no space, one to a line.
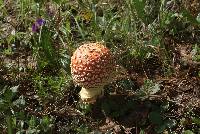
(155,43)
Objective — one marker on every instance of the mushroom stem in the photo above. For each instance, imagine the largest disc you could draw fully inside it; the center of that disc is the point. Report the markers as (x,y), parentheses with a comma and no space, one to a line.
(89,94)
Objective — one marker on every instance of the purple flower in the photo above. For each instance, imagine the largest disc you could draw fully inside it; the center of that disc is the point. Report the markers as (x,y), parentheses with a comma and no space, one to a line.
(40,22)
(36,26)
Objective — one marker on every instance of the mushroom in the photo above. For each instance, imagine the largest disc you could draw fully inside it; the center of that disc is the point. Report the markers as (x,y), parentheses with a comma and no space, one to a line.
(92,67)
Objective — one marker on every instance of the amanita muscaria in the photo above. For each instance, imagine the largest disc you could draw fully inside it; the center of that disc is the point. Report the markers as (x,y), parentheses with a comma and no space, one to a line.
(92,67)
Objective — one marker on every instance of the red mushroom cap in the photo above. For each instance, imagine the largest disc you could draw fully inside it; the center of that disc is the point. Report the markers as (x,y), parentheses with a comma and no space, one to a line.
(92,65)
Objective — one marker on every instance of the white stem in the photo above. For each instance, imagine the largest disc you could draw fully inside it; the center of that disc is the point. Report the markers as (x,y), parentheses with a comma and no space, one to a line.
(91,93)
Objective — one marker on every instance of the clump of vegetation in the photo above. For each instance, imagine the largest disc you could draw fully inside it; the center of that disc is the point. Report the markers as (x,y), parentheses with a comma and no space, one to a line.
(156,47)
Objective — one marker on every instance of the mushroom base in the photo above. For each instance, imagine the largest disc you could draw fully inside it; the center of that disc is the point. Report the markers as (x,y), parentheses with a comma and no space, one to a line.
(90,95)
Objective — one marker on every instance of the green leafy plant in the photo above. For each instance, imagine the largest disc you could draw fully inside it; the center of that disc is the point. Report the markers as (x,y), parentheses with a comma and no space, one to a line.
(149,88)
(188,132)
(196,53)
(8,104)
